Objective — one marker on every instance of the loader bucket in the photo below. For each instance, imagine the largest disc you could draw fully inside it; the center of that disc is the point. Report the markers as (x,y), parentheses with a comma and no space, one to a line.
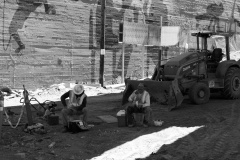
(164,92)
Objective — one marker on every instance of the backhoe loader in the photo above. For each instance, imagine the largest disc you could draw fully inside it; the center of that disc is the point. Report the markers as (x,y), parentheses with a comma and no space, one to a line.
(196,73)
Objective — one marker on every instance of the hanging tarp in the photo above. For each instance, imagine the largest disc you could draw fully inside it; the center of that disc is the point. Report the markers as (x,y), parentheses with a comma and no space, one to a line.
(141,34)
(135,33)
(170,35)
(154,34)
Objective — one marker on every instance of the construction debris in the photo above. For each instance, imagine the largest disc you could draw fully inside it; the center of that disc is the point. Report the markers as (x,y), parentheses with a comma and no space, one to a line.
(56,90)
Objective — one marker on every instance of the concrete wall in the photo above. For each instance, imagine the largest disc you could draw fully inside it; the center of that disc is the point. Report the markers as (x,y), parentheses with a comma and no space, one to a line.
(65,46)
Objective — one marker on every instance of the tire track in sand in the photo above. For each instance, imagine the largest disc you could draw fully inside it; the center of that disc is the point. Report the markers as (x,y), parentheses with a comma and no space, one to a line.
(220,142)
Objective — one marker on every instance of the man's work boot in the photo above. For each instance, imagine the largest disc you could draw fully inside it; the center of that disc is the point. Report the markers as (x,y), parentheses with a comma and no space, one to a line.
(132,124)
(49,9)
(145,125)
(66,129)
(21,47)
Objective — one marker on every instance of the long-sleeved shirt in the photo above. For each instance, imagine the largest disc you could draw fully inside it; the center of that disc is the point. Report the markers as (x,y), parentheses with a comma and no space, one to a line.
(143,98)
(67,94)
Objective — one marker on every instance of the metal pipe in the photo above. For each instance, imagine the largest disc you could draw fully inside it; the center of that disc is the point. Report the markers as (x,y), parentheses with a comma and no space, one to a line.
(143,57)
(1,112)
(160,49)
(197,42)
(227,47)
(102,43)
(143,47)
(123,51)
(205,43)
(123,60)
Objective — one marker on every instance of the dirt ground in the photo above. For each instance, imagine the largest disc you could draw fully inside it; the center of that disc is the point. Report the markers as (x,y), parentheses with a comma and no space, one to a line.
(191,132)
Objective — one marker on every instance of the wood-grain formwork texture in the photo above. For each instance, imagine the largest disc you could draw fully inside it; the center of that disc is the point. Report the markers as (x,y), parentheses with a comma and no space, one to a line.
(64,45)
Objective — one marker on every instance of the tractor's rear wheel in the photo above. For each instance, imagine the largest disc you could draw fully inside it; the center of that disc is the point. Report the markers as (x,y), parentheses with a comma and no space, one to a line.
(232,83)
(199,93)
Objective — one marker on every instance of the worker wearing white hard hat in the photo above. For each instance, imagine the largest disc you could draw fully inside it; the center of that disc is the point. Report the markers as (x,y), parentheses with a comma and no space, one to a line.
(76,105)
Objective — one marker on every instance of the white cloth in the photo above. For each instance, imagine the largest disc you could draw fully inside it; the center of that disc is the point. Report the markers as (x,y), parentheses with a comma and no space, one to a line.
(170,35)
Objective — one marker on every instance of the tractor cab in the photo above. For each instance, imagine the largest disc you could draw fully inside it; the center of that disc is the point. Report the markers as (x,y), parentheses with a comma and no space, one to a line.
(215,56)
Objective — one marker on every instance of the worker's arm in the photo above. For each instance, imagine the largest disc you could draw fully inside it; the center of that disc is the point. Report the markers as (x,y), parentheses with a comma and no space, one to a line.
(84,104)
(132,97)
(147,101)
(64,97)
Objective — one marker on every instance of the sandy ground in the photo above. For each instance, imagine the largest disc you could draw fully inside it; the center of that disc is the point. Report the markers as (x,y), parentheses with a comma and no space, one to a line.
(191,132)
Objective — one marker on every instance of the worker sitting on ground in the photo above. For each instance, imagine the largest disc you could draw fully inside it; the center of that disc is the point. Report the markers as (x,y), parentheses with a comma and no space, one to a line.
(76,106)
(140,103)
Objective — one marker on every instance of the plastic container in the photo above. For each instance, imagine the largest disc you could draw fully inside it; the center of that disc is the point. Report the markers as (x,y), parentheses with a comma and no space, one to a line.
(158,123)
(121,118)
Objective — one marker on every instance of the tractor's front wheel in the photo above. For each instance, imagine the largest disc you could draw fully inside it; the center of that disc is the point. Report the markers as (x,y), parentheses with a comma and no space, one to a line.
(199,93)
(232,83)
